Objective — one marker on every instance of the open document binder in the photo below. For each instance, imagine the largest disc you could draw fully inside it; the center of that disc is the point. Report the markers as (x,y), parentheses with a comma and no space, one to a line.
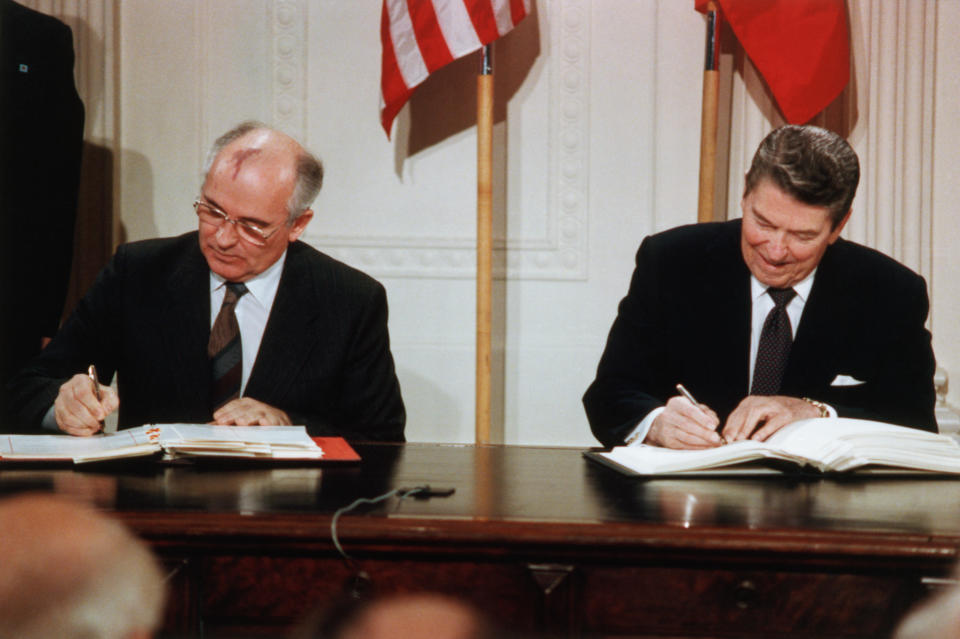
(823,445)
(171,440)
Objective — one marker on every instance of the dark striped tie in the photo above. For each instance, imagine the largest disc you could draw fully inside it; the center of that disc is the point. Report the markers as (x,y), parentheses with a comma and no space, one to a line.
(774,348)
(224,349)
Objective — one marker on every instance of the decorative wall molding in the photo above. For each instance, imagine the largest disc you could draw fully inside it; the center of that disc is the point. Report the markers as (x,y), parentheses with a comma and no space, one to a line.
(290,68)
(203,21)
(559,252)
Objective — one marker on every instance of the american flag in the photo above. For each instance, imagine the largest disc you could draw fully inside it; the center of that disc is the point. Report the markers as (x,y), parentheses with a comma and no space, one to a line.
(420,36)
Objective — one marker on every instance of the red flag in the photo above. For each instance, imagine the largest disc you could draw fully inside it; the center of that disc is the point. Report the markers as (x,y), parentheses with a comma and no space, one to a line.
(800,47)
(420,36)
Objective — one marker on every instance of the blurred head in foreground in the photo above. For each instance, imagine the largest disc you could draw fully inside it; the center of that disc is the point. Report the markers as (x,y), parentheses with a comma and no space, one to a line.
(72,573)
(412,616)
(937,617)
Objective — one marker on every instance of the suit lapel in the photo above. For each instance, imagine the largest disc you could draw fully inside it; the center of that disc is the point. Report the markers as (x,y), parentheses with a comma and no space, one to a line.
(709,317)
(815,338)
(731,313)
(291,332)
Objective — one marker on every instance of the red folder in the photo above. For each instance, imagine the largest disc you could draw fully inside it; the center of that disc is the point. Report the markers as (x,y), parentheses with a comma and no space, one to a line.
(336,449)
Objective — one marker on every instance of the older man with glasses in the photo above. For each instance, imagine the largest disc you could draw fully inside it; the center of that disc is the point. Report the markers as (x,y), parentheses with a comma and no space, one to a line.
(238,323)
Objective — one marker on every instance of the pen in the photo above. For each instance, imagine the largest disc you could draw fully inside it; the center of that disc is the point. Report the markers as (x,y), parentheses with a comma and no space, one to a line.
(683,391)
(690,398)
(92,374)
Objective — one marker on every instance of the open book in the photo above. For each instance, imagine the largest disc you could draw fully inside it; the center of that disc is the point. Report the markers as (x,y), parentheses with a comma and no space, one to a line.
(819,445)
(173,440)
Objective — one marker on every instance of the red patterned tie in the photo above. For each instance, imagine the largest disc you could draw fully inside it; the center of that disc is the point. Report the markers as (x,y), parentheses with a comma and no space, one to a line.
(225,350)
(775,340)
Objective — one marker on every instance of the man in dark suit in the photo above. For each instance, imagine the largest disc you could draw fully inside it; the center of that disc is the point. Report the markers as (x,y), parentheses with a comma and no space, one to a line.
(766,320)
(41,140)
(314,347)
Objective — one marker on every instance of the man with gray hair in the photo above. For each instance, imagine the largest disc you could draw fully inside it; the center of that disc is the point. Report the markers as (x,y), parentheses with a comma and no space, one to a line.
(94,580)
(238,323)
(768,319)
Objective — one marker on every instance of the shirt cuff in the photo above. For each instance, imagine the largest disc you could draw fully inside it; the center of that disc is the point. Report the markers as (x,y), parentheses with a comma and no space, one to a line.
(49,421)
(638,434)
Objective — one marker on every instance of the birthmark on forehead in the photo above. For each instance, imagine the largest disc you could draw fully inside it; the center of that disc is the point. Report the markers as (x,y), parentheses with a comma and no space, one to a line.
(239,157)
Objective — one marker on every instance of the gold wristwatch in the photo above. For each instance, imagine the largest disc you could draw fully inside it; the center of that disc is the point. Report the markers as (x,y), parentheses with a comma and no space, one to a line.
(824,411)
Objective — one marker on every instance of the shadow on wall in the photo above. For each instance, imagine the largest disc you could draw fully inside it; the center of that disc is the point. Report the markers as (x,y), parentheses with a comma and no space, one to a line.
(93,234)
(138,219)
(99,228)
(431,412)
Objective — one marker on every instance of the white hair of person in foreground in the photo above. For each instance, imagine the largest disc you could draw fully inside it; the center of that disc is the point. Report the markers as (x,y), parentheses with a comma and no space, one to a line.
(73,573)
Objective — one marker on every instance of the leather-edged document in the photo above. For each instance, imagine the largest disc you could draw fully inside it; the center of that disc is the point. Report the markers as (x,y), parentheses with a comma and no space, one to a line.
(822,445)
(171,442)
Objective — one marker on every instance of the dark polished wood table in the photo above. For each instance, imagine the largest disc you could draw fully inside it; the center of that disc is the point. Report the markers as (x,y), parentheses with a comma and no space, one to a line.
(541,538)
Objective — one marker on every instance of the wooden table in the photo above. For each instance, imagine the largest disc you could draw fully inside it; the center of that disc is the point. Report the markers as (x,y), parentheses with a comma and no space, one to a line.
(540,537)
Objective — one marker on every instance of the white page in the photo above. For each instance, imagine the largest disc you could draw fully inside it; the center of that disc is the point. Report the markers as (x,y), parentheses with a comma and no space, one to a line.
(69,446)
(653,459)
(283,435)
(827,443)
(269,441)
(845,443)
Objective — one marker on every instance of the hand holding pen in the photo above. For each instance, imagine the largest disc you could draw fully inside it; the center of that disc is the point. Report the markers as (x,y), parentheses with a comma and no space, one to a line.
(685,423)
(703,407)
(83,403)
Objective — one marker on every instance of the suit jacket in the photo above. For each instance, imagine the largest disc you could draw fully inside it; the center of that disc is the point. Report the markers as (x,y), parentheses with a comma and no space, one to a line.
(41,141)
(324,358)
(686,319)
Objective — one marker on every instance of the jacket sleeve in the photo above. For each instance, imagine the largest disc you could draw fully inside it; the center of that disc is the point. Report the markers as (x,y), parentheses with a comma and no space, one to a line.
(898,376)
(89,336)
(368,405)
(632,376)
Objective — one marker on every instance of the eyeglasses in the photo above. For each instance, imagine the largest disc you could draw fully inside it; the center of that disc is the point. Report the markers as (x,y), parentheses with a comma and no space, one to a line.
(213,216)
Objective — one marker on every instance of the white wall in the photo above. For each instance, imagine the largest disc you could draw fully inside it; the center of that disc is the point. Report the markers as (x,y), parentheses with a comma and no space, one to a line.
(597,145)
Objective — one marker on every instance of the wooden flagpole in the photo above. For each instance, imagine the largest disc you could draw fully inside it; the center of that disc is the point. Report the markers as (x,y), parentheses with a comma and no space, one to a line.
(708,116)
(484,242)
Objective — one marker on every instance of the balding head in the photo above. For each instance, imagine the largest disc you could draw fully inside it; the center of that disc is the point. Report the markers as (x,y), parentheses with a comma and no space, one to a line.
(255,146)
(71,572)
(255,200)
